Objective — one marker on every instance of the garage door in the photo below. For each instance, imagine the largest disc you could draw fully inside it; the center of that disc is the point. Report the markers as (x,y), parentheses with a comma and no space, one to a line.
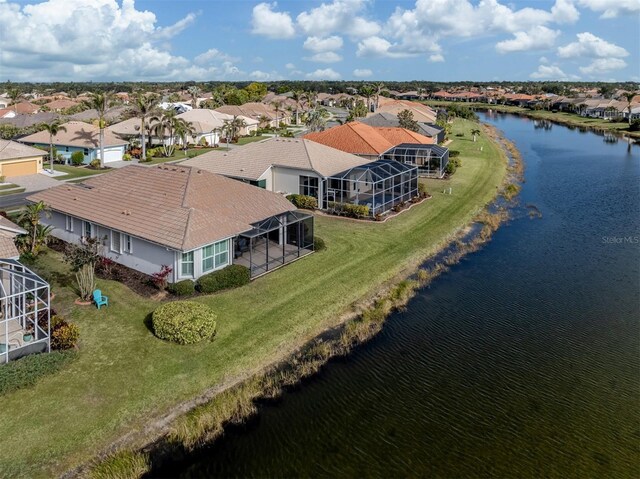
(113,154)
(20,169)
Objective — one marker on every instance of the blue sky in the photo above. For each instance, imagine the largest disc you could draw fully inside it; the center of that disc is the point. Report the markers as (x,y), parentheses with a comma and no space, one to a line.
(439,40)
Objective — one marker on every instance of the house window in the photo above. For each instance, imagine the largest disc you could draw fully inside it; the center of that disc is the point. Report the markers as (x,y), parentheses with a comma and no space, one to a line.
(215,256)
(186,265)
(87,229)
(116,242)
(126,243)
(68,223)
(309,186)
(85,151)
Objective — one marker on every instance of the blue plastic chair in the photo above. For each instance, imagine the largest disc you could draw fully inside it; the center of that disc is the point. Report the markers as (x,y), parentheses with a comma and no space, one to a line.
(99,299)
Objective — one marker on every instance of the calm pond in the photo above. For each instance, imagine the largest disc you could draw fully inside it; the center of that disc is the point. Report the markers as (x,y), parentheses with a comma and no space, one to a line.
(522,361)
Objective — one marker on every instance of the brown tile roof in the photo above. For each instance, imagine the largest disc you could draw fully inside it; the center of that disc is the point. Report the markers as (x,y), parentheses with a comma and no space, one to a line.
(10,150)
(8,232)
(61,104)
(361,139)
(78,134)
(179,207)
(421,112)
(251,161)
(25,107)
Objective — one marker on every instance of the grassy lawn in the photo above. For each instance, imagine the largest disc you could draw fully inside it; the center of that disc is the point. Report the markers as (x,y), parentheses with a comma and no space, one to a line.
(8,186)
(75,172)
(565,118)
(5,192)
(124,377)
(179,155)
(250,139)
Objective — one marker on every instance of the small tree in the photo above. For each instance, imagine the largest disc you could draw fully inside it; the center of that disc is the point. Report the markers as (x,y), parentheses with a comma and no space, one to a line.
(161,278)
(475,132)
(358,111)
(83,259)
(405,117)
(37,234)
(53,129)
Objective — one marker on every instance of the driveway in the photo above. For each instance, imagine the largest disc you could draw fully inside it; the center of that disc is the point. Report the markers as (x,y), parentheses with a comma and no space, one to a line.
(33,183)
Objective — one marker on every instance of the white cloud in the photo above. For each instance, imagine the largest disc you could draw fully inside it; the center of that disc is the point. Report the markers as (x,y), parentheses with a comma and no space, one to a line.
(379,47)
(564,11)
(436,58)
(92,40)
(362,72)
(589,45)
(339,16)
(324,74)
(259,75)
(271,24)
(290,66)
(603,65)
(549,72)
(212,55)
(611,8)
(538,38)
(318,44)
(325,57)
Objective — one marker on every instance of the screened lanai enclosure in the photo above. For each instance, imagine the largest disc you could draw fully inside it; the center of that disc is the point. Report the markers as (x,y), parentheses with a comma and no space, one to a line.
(24,311)
(431,160)
(274,242)
(379,185)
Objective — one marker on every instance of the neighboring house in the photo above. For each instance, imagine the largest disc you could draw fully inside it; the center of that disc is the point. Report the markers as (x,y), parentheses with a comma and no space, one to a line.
(390,120)
(59,105)
(257,111)
(301,166)
(130,129)
(17,159)
(7,113)
(421,112)
(82,137)
(207,124)
(112,114)
(366,141)
(8,233)
(25,107)
(4,102)
(22,120)
(186,218)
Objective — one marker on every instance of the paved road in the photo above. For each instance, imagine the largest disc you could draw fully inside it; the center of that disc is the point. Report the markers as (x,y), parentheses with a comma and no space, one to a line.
(11,202)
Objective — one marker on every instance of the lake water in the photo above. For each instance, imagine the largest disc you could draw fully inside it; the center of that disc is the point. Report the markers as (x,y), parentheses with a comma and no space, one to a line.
(522,361)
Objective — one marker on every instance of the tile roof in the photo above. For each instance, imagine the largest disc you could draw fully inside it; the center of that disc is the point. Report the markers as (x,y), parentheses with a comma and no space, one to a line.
(25,107)
(61,104)
(10,150)
(421,112)
(361,139)
(389,119)
(204,120)
(252,160)
(179,207)
(22,120)
(8,232)
(78,134)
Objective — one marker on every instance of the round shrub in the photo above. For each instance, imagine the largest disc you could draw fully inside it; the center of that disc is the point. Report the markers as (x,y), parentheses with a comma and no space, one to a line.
(318,244)
(184,322)
(232,276)
(63,335)
(77,158)
(182,288)
(303,201)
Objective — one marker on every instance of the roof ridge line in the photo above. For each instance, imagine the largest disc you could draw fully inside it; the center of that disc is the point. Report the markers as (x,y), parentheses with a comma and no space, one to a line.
(365,140)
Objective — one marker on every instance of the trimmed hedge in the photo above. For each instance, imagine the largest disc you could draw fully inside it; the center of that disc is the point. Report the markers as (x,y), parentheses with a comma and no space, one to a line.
(27,371)
(182,288)
(184,322)
(232,276)
(303,201)
(347,209)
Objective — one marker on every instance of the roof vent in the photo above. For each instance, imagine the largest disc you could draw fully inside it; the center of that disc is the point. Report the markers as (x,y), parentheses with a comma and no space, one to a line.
(199,172)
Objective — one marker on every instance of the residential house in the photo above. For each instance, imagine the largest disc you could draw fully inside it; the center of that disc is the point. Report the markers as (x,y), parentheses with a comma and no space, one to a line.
(22,120)
(384,119)
(82,137)
(130,130)
(208,124)
(7,113)
(366,141)
(112,115)
(184,217)
(258,111)
(59,105)
(421,112)
(25,107)
(17,159)
(8,233)
(301,166)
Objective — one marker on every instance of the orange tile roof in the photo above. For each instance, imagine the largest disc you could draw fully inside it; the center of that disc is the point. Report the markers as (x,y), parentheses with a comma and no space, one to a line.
(178,207)
(397,136)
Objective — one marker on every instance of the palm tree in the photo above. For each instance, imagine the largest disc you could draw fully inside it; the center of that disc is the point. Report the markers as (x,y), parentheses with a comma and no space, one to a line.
(367,91)
(100,102)
(264,121)
(379,88)
(145,105)
(277,106)
(311,97)
(168,126)
(53,128)
(194,93)
(183,130)
(232,127)
(29,219)
(316,120)
(629,97)
(298,97)
(475,132)
(14,94)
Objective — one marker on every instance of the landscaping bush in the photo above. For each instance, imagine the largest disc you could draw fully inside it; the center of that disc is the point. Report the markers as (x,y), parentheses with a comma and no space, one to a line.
(450,169)
(303,201)
(184,322)
(457,162)
(64,335)
(453,153)
(77,158)
(203,142)
(232,276)
(319,244)
(422,190)
(26,371)
(95,163)
(182,288)
(126,157)
(347,209)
